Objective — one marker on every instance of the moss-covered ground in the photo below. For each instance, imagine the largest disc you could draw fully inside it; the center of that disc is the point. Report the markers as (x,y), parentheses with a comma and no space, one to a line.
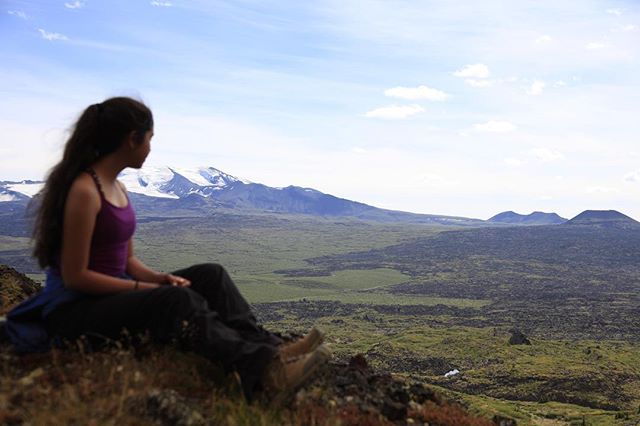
(419,303)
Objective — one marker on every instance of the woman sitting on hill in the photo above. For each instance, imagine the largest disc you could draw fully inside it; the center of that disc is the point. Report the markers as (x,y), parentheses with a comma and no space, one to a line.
(96,286)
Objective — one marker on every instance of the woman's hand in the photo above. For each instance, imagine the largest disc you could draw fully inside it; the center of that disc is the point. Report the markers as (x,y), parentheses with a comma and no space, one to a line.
(170,279)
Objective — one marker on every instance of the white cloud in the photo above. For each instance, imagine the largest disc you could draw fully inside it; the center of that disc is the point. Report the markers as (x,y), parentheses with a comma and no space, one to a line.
(630,28)
(432,180)
(595,45)
(75,5)
(546,154)
(395,112)
(494,126)
(473,71)
(18,13)
(633,176)
(559,83)
(478,83)
(52,36)
(161,3)
(414,93)
(514,162)
(601,189)
(536,87)
(544,39)
(617,12)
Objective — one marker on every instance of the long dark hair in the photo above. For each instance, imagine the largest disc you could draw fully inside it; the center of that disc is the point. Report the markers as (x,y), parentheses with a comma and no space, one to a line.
(99,131)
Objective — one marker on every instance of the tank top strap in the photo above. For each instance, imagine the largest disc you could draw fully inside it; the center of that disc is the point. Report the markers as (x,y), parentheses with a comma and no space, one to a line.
(95,178)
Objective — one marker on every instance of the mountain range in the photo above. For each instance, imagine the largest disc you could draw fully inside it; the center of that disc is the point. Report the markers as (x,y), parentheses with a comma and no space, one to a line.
(172,191)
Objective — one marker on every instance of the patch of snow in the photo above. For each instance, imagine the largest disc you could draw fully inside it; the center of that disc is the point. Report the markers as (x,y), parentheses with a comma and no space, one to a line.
(7,197)
(194,176)
(452,373)
(197,192)
(214,176)
(147,181)
(28,189)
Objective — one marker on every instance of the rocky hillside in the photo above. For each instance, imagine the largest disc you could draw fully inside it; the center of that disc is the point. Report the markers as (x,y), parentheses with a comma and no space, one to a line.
(14,287)
(150,385)
(604,219)
(535,218)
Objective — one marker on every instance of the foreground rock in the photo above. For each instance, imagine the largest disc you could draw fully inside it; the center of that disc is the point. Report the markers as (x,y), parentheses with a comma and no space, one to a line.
(14,288)
(361,395)
(166,407)
(518,338)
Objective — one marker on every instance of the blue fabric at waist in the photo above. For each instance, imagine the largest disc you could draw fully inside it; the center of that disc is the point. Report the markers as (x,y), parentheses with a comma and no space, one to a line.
(55,293)
(26,322)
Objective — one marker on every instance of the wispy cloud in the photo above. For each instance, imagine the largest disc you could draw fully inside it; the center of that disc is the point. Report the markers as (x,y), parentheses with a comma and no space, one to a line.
(494,126)
(395,112)
(75,5)
(18,13)
(161,3)
(473,71)
(52,36)
(601,189)
(475,75)
(546,154)
(544,39)
(514,162)
(630,28)
(633,176)
(536,87)
(595,45)
(478,83)
(414,93)
(617,12)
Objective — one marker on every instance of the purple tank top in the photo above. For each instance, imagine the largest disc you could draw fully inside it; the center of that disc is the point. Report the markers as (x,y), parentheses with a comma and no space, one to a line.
(113,228)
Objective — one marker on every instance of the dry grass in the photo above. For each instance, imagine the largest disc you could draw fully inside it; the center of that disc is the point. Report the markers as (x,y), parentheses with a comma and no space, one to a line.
(158,385)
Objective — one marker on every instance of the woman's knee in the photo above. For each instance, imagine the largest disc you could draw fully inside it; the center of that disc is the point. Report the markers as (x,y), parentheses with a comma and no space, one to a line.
(212,268)
(201,270)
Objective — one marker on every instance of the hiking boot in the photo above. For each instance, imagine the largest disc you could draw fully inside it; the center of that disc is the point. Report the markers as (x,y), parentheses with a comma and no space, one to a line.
(306,345)
(282,378)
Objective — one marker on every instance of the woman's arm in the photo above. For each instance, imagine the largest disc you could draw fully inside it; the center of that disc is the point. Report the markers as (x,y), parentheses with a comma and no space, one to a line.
(140,271)
(81,208)
(137,269)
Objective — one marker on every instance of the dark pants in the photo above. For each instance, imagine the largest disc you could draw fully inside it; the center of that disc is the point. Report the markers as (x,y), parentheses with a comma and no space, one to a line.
(210,317)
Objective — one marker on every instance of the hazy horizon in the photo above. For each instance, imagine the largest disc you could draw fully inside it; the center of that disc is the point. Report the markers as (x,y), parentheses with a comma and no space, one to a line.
(427,107)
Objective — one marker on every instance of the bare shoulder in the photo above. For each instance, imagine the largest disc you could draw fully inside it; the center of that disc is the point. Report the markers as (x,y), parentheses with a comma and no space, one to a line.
(83,190)
(124,188)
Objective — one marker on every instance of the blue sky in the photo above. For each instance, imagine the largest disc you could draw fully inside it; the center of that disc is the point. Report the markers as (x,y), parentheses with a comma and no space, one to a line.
(426,106)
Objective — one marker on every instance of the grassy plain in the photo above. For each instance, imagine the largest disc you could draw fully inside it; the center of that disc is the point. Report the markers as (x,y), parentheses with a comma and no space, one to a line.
(420,302)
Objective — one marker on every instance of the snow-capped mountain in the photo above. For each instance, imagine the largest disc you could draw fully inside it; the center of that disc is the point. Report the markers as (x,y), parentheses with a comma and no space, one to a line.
(161,182)
(197,191)
(172,182)
(17,191)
